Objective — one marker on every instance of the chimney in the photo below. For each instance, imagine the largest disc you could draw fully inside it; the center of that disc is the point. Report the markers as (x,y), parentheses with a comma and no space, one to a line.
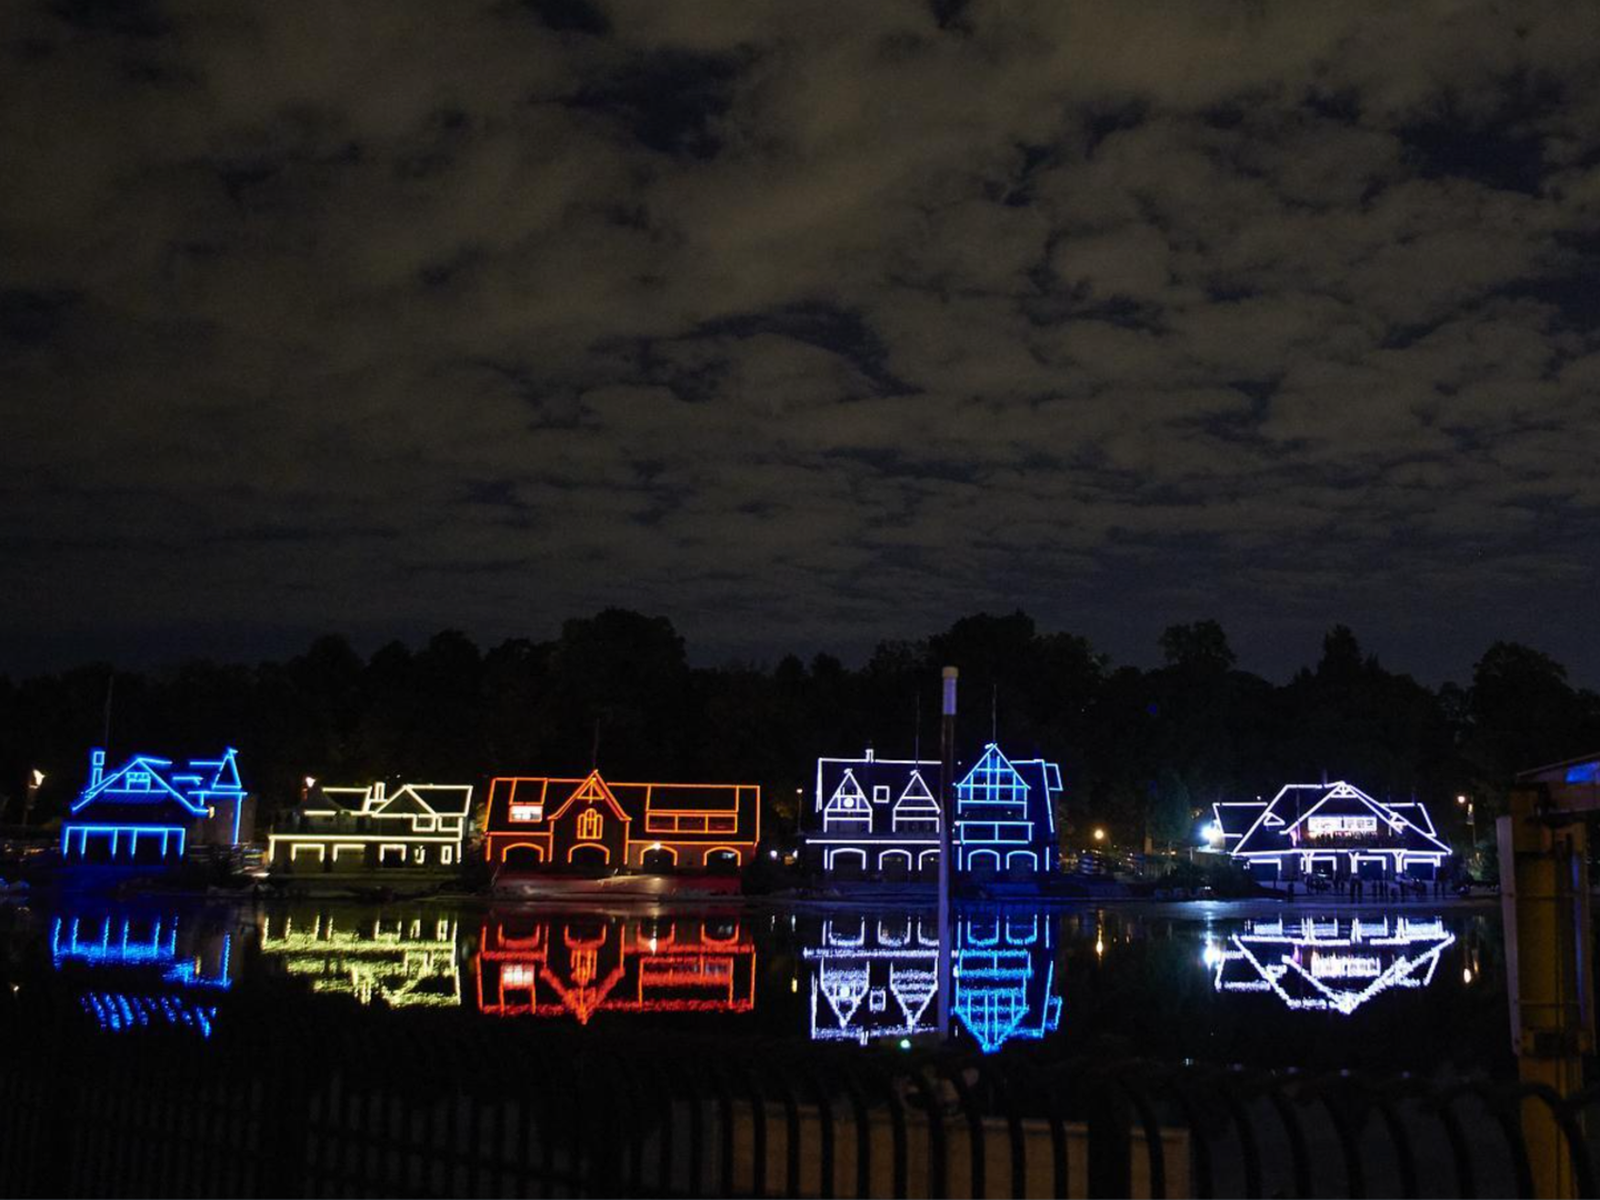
(377,792)
(97,767)
(869,753)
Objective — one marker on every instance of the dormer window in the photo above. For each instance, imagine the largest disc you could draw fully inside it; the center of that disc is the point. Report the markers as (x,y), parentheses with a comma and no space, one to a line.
(138,781)
(527,812)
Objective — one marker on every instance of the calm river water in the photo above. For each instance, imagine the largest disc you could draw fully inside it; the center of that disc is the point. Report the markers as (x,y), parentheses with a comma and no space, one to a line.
(1417,987)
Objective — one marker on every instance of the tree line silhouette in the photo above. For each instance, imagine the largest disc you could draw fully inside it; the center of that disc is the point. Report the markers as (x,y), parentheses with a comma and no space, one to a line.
(1141,750)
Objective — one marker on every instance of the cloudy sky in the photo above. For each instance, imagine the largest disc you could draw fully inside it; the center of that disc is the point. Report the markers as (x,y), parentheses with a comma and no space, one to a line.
(804,325)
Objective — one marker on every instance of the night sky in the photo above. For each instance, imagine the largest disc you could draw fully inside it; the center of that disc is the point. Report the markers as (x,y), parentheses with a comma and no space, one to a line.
(802,325)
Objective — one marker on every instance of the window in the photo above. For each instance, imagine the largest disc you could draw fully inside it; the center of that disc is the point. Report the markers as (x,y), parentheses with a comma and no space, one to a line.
(419,854)
(589,822)
(423,824)
(527,812)
(138,781)
(880,794)
(447,855)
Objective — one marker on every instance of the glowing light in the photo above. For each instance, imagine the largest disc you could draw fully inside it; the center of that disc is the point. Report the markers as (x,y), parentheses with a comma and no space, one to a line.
(570,968)
(1331,964)
(148,796)
(1099,835)
(540,818)
(1466,974)
(1334,824)
(405,964)
(878,813)
(407,821)
(878,980)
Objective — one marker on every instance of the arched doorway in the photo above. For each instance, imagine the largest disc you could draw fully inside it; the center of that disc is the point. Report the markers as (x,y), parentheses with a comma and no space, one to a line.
(723,861)
(658,861)
(589,857)
(523,857)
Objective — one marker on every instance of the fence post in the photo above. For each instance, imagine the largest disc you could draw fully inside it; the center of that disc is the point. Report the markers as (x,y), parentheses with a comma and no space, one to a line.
(1110,1165)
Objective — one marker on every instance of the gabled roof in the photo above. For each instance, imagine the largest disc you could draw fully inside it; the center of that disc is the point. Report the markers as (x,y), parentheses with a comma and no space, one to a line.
(1276,830)
(592,789)
(408,800)
(189,788)
(1234,817)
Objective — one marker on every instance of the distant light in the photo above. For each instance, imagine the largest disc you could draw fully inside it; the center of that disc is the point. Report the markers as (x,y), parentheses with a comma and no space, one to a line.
(38,777)
(1099,947)
(905,1043)
(1099,834)
(1466,974)
(1461,799)
(772,854)
(311,781)
(794,984)
(1213,832)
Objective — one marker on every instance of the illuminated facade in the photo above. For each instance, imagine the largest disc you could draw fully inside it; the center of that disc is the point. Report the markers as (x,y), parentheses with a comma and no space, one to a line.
(1334,830)
(577,967)
(403,962)
(1329,964)
(878,978)
(875,815)
(418,825)
(879,816)
(538,823)
(147,971)
(150,810)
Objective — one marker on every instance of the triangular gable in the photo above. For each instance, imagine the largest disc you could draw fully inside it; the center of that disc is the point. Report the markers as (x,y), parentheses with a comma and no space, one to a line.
(988,775)
(849,798)
(402,803)
(220,774)
(916,797)
(591,790)
(445,799)
(1270,819)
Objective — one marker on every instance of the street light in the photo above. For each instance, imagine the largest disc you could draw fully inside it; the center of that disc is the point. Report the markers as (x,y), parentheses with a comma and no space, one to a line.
(1099,834)
(35,779)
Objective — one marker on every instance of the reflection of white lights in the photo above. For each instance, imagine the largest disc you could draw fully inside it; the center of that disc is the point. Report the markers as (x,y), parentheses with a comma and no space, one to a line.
(1466,974)
(1349,961)
(1212,954)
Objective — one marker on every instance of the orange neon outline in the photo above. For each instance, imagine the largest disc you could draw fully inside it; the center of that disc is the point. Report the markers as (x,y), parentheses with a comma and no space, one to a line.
(706,963)
(503,791)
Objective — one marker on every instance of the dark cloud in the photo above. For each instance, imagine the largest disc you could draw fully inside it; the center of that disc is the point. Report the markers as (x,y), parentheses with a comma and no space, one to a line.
(807,325)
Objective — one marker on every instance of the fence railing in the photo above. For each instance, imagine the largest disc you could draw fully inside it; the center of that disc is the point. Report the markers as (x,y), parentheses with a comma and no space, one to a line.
(302,1097)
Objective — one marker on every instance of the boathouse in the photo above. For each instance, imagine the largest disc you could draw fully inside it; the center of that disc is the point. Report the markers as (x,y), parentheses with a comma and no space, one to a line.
(415,826)
(1334,830)
(151,810)
(878,817)
(590,824)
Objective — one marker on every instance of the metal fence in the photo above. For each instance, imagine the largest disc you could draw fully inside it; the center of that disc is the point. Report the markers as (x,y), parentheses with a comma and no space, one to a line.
(310,1098)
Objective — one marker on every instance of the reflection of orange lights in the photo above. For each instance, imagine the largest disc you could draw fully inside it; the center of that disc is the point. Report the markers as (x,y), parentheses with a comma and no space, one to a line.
(689,967)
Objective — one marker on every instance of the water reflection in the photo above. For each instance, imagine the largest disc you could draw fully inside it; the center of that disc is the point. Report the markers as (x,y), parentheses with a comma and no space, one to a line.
(1329,963)
(403,961)
(577,966)
(877,977)
(147,969)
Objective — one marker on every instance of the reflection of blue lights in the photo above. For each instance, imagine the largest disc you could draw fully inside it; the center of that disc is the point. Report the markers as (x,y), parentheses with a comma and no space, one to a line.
(879,979)
(117,1012)
(115,945)
(1331,964)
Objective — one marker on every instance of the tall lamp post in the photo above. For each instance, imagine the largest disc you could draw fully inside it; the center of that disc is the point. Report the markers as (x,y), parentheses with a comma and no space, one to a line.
(947,759)
(1472,827)
(35,781)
